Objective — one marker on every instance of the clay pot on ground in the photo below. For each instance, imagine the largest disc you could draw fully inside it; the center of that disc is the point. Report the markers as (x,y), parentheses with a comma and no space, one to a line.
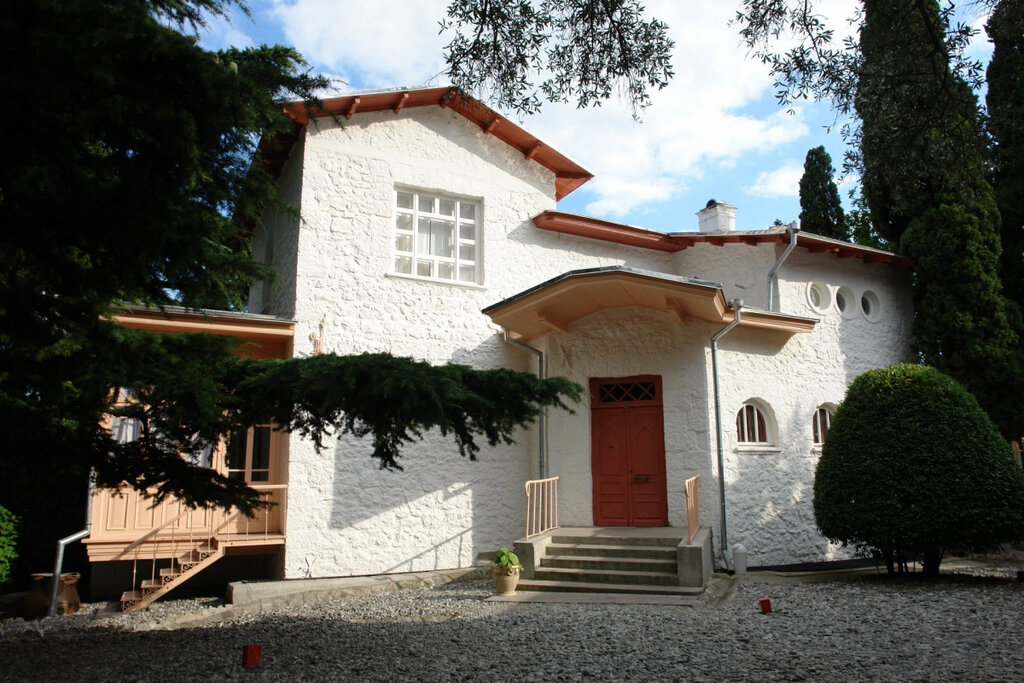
(506,580)
(37,602)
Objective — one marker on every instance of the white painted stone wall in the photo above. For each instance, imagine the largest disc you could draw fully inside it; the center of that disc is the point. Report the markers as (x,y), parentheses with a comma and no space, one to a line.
(346,517)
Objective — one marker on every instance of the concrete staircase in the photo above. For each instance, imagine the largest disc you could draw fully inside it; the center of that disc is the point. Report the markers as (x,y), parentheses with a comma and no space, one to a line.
(606,563)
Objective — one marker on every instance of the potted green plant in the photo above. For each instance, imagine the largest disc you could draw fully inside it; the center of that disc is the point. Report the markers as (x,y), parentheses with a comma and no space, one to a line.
(506,571)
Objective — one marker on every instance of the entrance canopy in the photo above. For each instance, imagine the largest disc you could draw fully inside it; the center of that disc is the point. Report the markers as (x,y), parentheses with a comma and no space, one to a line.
(556,304)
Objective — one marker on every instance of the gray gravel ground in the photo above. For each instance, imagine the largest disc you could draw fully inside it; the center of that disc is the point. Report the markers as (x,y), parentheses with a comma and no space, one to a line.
(968,626)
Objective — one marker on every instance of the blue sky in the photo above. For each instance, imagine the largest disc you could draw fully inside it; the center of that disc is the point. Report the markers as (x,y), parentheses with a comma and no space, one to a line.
(715,132)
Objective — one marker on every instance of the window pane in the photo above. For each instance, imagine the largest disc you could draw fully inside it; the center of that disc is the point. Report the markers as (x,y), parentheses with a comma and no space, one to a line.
(236,451)
(445,271)
(403,242)
(424,268)
(403,264)
(403,221)
(467,273)
(404,200)
(467,210)
(427,204)
(261,448)
(435,238)
(467,252)
(467,231)
(446,207)
(261,476)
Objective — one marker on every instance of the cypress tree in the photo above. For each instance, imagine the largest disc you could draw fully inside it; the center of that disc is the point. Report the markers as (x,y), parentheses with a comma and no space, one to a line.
(1005,100)
(926,187)
(821,210)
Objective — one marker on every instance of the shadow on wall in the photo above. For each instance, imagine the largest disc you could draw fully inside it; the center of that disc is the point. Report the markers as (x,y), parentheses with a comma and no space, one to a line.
(439,513)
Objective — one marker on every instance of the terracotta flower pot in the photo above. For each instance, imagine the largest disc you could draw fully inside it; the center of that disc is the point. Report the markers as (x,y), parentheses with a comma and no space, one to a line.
(506,580)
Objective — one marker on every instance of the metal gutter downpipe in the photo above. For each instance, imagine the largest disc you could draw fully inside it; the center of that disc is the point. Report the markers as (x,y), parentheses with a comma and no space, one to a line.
(542,423)
(58,563)
(737,304)
(793,229)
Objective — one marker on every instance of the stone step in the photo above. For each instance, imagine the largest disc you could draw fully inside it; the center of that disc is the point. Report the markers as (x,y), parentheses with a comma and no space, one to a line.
(573,586)
(625,564)
(610,576)
(665,553)
(663,541)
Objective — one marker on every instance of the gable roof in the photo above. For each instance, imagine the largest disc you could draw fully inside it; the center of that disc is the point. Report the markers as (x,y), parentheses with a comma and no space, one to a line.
(568,174)
(619,233)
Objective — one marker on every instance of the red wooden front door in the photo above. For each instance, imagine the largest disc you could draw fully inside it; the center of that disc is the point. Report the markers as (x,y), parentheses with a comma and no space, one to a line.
(628,452)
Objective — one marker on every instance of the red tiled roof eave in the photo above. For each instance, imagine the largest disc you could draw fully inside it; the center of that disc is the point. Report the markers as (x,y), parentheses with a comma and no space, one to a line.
(608,231)
(568,174)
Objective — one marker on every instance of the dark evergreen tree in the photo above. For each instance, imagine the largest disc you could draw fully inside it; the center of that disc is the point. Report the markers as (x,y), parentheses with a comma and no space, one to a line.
(1005,102)
(925,185)
(821,210)
(130,174)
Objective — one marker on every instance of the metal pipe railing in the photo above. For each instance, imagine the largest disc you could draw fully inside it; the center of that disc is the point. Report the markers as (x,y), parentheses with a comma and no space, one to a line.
(541,506)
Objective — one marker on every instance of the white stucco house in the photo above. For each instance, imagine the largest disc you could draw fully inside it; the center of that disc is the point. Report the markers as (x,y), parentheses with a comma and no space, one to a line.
(427,226)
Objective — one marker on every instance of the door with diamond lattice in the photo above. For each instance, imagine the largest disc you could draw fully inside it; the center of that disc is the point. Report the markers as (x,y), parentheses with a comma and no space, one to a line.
(628,451)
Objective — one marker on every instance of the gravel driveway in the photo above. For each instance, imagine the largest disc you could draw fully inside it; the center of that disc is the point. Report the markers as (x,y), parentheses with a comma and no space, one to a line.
(968,626)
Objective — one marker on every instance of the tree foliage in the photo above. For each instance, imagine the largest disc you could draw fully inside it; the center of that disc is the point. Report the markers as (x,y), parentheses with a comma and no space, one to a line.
(8,538)
(919,133)
(131,174)
(520,53)
(821,210)
(918,148)
(912,465)
(1005,101)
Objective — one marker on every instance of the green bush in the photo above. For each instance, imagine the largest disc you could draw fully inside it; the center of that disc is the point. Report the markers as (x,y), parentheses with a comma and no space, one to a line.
(8,536)
(912,465)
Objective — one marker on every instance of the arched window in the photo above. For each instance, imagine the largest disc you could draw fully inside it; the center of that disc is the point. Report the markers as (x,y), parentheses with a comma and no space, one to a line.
(751,426)
(821,423)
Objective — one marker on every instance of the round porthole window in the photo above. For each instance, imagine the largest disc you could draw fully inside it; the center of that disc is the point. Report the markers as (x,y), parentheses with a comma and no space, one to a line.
(869,305)
(845,302)
(819,296)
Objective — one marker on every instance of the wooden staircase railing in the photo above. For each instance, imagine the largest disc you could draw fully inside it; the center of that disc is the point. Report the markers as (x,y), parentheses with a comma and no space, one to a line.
(541,506)
(191,551)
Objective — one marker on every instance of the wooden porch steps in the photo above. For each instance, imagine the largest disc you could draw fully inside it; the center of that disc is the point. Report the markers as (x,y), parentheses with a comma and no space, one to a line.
(185,567)
(630,564)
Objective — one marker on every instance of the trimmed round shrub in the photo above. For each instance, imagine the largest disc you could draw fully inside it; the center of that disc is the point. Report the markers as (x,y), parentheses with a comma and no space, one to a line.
(8,537)
(912,465)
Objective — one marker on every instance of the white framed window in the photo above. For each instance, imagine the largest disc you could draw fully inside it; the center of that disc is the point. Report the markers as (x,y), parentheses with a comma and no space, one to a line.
(248,454)
(821,423)
(870,306)
(819,296)
(437,236)
(752,425)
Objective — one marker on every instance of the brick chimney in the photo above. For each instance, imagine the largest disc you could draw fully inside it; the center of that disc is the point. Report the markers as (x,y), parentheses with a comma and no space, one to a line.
(717,217)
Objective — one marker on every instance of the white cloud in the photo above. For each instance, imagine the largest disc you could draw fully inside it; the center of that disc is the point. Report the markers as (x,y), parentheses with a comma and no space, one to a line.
(782,182)
(380,43)
(716,111)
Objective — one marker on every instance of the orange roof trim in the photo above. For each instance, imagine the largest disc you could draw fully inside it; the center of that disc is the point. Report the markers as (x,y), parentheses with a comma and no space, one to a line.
(553,306)
(594,228)
(568,174)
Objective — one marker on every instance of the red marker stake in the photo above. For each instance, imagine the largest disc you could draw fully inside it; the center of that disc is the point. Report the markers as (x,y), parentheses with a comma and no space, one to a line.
(766,605)
(251,655)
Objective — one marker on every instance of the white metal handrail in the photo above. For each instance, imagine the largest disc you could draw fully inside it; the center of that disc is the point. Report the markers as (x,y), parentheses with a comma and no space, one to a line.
(541,506)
